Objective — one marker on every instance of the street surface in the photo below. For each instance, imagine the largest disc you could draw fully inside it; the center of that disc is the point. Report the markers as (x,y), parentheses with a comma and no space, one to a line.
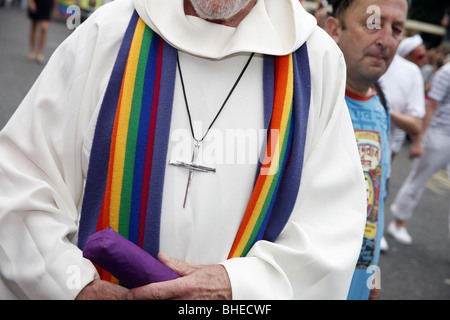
(420,271)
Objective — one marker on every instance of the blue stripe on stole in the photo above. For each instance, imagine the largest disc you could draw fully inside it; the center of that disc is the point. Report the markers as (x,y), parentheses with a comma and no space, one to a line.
(141,144)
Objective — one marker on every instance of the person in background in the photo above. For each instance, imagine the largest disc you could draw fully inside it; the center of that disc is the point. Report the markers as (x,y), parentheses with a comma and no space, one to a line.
(369,40)
(432,148)
(404,89)
(445,22)
(413,49)
(39,12)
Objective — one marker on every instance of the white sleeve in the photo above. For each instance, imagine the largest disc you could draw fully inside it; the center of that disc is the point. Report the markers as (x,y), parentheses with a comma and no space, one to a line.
(416,96)
(316,253)
(41,179)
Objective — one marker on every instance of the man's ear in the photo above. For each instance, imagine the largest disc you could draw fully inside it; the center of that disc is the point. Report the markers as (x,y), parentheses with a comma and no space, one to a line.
(333,27)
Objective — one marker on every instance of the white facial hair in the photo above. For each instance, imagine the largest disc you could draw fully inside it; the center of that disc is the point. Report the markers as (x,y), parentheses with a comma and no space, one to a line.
(218,9)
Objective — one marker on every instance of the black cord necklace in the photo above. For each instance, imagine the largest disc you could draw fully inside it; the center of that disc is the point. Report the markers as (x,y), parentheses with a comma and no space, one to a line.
(193,166)
(223,104)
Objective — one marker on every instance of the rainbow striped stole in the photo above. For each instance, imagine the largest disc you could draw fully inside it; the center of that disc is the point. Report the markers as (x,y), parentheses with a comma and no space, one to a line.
(277,152)
(126,193)
(126,170)
(128,158)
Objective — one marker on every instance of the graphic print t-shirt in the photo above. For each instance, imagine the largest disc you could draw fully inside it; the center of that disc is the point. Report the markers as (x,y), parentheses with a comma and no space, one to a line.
(371,124)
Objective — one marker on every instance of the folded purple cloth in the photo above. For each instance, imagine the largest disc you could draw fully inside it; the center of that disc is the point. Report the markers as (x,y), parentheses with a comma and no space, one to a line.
(131,265)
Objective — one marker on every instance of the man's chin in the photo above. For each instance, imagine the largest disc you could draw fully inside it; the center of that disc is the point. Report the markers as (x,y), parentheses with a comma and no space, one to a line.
(375,72)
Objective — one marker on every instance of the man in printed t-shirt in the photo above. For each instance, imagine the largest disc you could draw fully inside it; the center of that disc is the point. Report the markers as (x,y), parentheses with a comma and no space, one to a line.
(369,40)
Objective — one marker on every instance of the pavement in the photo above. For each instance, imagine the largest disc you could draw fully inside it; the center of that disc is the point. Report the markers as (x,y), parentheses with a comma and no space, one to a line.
(17,73)
(420,271)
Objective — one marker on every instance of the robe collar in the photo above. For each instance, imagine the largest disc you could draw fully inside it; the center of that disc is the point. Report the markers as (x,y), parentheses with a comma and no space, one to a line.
(272,27)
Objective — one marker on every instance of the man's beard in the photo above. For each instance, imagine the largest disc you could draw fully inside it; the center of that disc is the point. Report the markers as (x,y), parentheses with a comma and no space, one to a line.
(218,9)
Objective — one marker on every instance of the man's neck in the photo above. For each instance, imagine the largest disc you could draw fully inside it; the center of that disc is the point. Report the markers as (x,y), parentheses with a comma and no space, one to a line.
(360,89)
(231,22)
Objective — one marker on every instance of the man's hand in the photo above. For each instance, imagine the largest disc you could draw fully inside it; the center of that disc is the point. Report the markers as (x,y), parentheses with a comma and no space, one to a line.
(209,282)
(103,290)
(415,151)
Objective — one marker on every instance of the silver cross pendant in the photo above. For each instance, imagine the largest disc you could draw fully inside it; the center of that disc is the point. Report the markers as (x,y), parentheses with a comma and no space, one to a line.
(192,167)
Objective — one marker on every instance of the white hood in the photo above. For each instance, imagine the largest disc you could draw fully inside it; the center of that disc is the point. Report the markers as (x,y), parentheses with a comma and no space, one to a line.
(275,27)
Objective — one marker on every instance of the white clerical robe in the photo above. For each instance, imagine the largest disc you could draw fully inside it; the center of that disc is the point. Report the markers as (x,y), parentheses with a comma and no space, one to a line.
(46,145)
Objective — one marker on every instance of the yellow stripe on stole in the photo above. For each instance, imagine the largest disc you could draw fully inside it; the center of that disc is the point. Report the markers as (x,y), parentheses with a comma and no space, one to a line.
(122,127)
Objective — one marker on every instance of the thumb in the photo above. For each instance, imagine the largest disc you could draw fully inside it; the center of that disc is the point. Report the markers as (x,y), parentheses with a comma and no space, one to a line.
(181,267)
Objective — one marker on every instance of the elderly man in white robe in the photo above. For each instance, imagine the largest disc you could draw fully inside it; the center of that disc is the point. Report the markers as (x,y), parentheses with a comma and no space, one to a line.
(49,151)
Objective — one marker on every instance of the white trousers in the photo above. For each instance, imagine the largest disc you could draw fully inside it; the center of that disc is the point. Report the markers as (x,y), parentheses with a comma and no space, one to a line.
(436,156)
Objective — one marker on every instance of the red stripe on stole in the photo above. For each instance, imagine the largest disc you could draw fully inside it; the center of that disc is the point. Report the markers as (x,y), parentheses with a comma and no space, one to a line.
(149,148)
